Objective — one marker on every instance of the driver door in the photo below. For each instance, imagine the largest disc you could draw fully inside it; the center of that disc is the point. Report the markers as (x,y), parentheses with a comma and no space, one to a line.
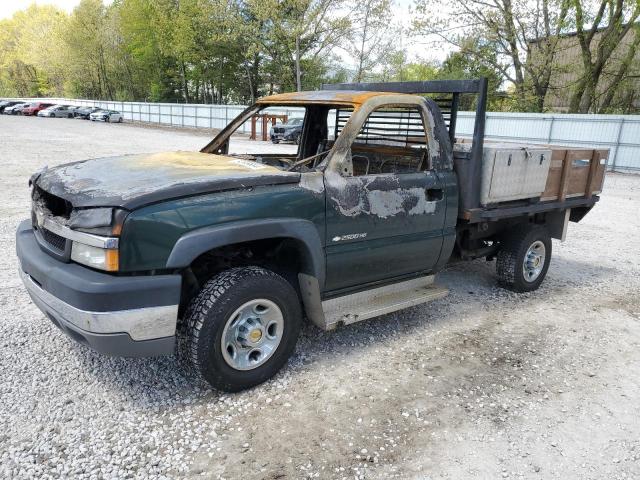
(385,205)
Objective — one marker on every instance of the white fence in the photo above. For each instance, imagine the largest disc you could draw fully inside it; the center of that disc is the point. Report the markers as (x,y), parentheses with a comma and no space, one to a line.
(619,133)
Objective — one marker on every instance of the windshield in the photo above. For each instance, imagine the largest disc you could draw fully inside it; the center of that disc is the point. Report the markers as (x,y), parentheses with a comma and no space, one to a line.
(253,135)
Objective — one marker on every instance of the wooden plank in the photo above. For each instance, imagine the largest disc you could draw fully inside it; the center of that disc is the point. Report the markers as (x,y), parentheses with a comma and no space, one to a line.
(567,164)
(593,166)
(598,181)
(552,187)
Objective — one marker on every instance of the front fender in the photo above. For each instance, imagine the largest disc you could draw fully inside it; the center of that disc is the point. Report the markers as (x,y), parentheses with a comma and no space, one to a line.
(193,244)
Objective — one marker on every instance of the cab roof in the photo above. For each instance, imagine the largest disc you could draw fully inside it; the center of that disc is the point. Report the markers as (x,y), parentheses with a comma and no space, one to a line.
(329,97)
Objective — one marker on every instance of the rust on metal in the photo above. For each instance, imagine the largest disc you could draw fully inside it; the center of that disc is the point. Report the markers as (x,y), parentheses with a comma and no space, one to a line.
(330,97)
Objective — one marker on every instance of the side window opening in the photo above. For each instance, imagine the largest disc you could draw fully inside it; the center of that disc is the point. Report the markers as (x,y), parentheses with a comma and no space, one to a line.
(277,132)
(392,140)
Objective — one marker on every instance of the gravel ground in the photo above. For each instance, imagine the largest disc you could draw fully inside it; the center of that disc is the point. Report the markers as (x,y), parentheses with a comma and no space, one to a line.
(482,384)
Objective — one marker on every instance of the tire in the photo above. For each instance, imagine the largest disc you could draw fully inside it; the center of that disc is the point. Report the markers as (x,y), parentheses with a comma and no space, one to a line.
(275,141)
(107,119)
(215,318)
(120,120)
(69,115)
(532,243)
(296,140)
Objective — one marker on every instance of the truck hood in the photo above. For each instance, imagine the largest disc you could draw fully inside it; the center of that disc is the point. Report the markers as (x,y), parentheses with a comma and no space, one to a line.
(132,181)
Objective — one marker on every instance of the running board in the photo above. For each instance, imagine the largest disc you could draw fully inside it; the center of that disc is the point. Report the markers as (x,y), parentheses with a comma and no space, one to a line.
(369,303)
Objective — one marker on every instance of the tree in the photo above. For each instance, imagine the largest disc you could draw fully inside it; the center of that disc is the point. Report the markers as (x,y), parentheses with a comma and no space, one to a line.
(600,33)
(462,65)
(30,53)
(504,31)
(295,30)
(369,40)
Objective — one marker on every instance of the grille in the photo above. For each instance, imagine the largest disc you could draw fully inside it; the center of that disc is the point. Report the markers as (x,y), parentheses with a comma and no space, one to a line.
(53,239)
(58,207)
(278,130)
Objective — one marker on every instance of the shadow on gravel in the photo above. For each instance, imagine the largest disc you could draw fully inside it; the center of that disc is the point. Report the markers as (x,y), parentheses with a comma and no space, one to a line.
(154,382)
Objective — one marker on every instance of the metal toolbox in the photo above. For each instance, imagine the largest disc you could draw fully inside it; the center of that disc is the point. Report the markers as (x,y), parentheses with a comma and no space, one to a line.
(513,172)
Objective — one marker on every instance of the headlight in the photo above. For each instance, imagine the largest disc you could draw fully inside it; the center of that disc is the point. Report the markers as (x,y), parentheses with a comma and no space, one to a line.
(96,257)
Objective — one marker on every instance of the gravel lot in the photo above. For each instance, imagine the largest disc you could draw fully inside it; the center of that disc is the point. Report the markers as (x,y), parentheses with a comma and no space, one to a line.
(482,384)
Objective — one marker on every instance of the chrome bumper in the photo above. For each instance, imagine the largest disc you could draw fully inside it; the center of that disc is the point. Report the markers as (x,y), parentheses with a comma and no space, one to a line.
(140,323)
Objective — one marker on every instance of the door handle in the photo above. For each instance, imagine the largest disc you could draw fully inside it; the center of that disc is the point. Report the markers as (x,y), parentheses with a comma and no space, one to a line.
(434,194)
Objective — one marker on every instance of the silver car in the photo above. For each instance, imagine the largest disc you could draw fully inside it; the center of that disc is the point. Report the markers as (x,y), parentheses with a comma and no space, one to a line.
(15,109)
(58,111)
(106,116)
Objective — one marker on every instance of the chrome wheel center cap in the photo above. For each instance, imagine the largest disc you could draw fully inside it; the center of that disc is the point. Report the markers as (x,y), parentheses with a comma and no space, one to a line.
(255,335)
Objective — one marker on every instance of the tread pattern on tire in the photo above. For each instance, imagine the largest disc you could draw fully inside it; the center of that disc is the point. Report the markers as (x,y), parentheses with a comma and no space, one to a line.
(507,262)
(196,313)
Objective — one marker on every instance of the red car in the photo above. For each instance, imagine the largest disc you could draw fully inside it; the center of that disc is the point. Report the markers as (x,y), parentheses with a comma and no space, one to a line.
(34,108)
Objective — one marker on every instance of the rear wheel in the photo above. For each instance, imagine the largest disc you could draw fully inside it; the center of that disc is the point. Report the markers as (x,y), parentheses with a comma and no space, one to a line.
(241,328)
(524,258)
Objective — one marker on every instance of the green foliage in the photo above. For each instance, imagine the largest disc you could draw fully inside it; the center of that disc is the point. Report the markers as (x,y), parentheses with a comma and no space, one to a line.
(214,51)
(461,65)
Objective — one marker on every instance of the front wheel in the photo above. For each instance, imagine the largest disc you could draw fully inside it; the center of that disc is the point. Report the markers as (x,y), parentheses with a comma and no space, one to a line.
(523,259)
(241,328)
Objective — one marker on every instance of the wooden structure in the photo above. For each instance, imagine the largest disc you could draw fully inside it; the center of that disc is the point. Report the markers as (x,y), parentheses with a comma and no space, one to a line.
(575,172)
(266,118)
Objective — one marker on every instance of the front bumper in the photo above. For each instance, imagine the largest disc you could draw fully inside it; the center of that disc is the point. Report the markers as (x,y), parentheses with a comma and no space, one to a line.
(287,135)
(123,316)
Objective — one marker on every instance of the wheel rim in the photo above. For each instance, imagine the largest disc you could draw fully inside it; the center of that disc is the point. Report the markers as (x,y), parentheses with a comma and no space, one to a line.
(534,261)
(252,334)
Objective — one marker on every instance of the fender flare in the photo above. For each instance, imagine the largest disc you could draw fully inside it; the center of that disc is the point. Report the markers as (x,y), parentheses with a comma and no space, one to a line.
(193,244)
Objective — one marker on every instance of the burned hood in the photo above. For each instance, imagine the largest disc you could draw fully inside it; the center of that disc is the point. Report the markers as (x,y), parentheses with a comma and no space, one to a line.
(132,181)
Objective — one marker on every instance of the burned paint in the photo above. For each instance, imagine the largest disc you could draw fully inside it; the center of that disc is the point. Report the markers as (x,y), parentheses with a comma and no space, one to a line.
(90,218)
(135,180)
(380,196)
(313,181)
(328,97)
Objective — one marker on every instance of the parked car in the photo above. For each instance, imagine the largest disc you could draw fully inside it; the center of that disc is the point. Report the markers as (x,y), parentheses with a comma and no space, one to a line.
(15,109)
(84,112)
(290,131)
(34,108)
(106,116)
(59,111)
(7,103)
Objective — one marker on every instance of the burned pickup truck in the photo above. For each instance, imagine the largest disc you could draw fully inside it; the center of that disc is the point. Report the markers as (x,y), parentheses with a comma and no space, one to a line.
(221,254)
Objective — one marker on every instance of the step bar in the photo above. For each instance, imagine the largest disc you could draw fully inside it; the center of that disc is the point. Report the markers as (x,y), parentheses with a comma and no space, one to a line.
(355,307)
